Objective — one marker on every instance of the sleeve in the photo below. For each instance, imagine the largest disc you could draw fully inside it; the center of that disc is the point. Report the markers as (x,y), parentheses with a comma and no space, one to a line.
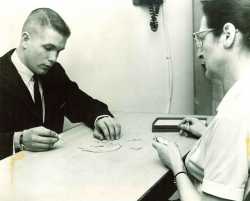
(226,165)
(79,106)
(6,130)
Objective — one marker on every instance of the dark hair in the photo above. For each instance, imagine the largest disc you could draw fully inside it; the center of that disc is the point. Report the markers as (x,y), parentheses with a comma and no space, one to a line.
(46,17)
(237,12)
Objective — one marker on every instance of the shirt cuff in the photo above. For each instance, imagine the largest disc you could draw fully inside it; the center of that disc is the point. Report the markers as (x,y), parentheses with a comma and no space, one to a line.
(100,117)
(16,140)
(222,191)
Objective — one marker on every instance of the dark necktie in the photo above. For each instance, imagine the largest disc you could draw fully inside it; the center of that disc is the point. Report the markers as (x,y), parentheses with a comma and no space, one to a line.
(38,98)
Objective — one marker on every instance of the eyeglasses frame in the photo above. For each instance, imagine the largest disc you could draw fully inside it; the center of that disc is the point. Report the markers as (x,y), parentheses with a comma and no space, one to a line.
(199,40)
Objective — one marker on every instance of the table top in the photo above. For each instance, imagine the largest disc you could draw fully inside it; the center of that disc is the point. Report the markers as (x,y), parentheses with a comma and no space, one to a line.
(68,173)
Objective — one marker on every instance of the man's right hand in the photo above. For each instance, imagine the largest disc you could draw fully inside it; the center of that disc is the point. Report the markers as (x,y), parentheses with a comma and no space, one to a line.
(39,139)
(192,126)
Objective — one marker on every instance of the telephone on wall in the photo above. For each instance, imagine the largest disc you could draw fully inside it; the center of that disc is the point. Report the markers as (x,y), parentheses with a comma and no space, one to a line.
(154,7)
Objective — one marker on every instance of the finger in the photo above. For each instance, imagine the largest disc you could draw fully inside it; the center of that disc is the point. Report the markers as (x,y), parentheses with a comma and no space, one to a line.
(49,133)
(44,139)
(98,135)
(112,133)
(183,121)
(180,126)
(184,127)
(162,140)
(158,146)
(117,129)
(54,134)
(42,131)
(39,146)
(185,133)
(181,132)
(187,120)
(104,130)
(192,120)
(110,126)
(155,144)
(35,149)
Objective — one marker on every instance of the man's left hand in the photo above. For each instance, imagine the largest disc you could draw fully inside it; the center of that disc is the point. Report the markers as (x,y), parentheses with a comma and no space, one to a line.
(170,155)
(107,128)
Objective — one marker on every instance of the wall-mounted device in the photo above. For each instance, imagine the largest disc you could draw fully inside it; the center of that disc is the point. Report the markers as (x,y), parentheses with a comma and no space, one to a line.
(154,7)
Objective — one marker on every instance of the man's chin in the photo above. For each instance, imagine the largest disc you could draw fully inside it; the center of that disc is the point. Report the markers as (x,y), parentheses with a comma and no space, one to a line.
(43,69)
(43,72)
(210,76)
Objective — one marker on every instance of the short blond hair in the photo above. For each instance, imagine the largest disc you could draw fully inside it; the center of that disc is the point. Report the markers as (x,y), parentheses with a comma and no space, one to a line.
(46,17)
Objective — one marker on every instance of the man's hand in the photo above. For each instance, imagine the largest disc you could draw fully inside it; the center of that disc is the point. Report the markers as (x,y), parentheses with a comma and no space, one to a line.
(107,128)
(39,139)
(192,126)
(169,155)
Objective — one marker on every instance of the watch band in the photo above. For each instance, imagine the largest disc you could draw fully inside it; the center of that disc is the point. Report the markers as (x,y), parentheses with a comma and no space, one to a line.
(181,172)
(21,142)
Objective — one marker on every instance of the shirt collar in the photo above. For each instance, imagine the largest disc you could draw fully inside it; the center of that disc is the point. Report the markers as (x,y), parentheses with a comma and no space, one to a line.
(235,92)
(23,70)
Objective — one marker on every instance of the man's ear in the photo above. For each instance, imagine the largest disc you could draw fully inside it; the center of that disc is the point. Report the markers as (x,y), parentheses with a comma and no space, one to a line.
(25,39)
(229,34)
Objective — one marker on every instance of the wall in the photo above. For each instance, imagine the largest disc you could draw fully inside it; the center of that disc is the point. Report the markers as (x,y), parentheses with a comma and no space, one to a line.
(113,54)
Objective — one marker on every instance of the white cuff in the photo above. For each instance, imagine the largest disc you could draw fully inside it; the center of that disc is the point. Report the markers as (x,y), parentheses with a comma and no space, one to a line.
(222,191)
(16,140)
(100,117)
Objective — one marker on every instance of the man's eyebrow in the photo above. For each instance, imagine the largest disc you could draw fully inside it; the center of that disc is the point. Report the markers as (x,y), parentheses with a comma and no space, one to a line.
(49,44)
(52,45)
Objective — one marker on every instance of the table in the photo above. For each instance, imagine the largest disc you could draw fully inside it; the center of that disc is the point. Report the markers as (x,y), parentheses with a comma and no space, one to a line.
(67,173)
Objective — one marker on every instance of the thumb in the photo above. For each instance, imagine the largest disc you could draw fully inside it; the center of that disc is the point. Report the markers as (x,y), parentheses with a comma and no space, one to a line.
(156,145)
(97,134)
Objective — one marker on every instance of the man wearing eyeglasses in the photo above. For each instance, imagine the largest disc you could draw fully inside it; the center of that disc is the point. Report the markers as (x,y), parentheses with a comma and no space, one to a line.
(199,37)
(216,169)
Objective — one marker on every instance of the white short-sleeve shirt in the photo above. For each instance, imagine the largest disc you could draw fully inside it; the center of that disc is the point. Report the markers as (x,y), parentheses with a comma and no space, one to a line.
(219,161)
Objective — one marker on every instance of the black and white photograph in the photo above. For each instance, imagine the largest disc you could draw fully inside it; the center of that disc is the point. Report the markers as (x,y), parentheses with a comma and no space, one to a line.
(125,100)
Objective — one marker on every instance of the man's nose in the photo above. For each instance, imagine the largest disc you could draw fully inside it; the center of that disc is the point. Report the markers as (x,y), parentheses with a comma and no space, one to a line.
(53,57)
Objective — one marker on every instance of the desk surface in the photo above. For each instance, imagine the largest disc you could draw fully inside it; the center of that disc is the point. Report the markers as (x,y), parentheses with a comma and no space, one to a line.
(70,174)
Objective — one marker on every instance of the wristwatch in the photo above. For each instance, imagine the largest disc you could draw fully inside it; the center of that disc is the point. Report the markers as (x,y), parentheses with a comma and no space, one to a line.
(21,142)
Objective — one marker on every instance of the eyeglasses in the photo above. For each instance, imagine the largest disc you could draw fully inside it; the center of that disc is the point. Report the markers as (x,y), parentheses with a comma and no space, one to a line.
(200,36)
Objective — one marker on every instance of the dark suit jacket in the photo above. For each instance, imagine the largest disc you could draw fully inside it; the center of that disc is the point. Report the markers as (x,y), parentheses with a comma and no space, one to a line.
(61,95)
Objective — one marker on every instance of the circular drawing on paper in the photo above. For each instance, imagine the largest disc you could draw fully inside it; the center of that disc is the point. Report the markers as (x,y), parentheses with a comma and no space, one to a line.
(101,147)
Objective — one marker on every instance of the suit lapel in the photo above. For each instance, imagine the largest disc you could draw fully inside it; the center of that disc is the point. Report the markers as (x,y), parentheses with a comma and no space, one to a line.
(15,84)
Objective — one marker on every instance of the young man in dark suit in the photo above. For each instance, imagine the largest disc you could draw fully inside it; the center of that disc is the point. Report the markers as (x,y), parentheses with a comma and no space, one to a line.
(36,93)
